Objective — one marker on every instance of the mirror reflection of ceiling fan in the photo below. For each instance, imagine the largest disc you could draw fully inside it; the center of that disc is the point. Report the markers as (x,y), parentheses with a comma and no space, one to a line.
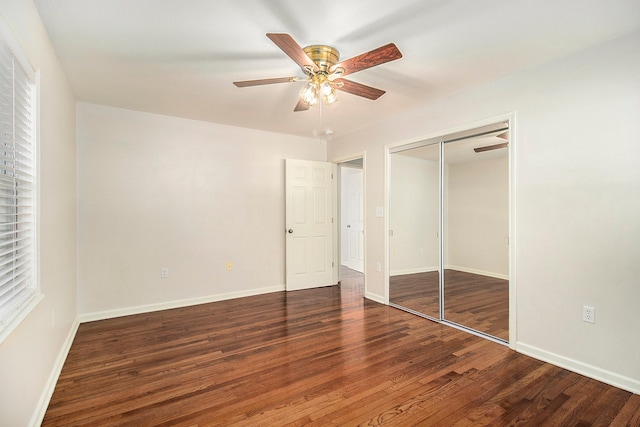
(324,71)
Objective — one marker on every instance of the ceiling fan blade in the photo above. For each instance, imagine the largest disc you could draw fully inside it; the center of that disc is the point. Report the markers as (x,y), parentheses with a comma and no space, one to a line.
(369,59)
(504,135)
(293,50)
(259,82)
(491,147)
(301,106)
(358,89)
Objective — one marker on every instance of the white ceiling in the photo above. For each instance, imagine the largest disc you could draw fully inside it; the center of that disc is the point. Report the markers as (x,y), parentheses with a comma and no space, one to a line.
(180,57)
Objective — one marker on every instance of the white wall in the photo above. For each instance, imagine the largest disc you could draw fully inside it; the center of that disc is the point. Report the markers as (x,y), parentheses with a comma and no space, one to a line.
(157,191)
(31,357)
(477,212)
(414,200)
(577,180)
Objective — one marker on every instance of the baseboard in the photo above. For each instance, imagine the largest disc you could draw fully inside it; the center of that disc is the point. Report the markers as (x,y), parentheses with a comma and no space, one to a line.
(581,368)
(374,297)
(47,393)
(127,311)
(413,271)
(478,272)
(449,267)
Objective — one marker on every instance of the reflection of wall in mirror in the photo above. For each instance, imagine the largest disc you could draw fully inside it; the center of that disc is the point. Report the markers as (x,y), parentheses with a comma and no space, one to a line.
(413,215)
(477,214)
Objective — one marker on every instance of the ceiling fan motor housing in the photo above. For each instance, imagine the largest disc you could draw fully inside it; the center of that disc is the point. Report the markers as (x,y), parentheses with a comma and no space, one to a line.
(323,56)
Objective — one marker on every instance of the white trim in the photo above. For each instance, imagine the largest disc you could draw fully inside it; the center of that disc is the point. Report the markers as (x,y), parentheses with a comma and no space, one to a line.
(127,311)
(335,221)
(387,225)
(413,271)
(47,392)
(608,377)
(337,201)
(513,303)
(350,157)
(375,297)
(14,324)
(478,272)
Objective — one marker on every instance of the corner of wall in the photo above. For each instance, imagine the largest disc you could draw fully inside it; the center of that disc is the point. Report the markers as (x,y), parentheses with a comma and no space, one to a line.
(50,386)
(607,377)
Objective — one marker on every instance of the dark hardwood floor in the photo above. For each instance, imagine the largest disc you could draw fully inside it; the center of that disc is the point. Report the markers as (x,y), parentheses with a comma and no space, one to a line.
(476,301)
(418,292)
(471,300)
(320,357)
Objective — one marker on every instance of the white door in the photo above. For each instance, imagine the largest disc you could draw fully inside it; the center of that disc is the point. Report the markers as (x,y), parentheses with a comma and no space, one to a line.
(354,219)
(309,224)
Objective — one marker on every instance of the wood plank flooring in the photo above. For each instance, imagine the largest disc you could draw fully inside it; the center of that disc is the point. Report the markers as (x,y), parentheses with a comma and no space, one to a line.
(479,302)
(472,300)
(320,357)
(418,292)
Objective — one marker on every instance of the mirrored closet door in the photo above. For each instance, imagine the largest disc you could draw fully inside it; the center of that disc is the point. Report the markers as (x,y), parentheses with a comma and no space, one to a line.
(449,229)
(476,230)
(414,228)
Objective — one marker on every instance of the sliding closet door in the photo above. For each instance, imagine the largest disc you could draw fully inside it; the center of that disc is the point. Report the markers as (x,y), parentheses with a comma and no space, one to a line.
(476,230)
(449,229)
(414,245)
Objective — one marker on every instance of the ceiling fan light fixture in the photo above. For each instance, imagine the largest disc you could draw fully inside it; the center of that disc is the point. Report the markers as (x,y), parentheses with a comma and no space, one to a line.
(318,88)
(330,98)
(328,93)
(309,94)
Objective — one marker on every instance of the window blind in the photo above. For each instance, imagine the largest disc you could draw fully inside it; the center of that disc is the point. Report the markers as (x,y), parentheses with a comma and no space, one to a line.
(17,188)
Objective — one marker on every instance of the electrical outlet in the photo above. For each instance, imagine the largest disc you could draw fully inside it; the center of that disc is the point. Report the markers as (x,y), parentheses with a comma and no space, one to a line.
(588,314)
(229,266)
(164,273)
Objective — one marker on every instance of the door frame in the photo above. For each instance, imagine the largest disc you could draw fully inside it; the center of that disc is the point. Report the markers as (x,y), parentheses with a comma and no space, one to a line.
(351,232)
(338,197)
(418,141)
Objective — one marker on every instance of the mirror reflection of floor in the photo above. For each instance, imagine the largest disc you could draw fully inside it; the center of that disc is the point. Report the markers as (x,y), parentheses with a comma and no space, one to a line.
(417,292)
(479,302)
(472,300)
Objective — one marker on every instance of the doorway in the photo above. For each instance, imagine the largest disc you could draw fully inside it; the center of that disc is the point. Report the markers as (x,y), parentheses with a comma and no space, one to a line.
(449,229)
(351,217)
(351,213)
(314,219)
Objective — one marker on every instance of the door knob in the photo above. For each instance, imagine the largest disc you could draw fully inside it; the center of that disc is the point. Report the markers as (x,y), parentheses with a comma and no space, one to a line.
(290,231)
(348,226)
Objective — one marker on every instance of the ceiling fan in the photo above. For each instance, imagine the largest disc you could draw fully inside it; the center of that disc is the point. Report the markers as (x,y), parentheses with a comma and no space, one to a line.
(324,71)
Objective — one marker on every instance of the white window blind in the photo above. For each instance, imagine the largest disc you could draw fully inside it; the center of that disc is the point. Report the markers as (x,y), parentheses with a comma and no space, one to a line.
(17,189)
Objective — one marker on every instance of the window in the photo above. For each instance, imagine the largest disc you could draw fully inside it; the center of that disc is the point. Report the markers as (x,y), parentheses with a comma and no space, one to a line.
(18,287)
